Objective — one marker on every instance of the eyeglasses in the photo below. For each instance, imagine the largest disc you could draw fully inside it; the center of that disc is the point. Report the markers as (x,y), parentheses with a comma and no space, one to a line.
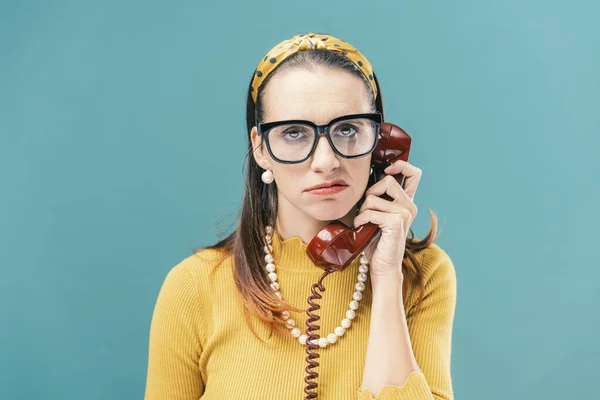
(294,141)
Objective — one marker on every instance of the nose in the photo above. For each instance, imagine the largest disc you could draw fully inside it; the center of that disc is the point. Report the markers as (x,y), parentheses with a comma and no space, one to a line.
(324,158)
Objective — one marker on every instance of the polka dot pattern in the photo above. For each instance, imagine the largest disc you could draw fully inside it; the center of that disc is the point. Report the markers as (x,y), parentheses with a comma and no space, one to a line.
(309,41)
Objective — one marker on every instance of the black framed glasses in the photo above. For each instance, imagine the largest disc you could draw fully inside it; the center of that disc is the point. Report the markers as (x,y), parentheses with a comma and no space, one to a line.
(294,141)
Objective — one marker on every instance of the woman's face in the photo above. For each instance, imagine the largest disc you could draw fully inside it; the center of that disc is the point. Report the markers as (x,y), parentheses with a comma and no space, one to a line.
(319,96)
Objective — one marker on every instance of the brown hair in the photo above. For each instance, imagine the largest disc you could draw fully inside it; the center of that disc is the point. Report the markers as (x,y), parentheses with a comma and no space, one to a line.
(259,208)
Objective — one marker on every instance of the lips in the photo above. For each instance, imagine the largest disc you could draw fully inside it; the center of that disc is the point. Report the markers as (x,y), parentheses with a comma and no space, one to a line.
(324,185)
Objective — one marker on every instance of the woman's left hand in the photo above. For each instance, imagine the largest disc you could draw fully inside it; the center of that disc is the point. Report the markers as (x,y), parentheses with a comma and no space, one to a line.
(394,217)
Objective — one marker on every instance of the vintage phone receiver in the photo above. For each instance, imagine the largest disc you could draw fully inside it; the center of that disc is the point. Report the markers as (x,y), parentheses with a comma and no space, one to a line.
(337,245)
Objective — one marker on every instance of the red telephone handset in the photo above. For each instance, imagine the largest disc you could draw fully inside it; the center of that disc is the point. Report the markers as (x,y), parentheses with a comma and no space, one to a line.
(337,245)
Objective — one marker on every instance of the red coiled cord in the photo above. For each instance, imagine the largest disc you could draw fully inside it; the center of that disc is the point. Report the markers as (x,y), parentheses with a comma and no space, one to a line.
(310,347)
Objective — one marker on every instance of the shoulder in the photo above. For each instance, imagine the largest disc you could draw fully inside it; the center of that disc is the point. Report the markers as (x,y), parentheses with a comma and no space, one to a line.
(189,291)
(438,275)
(438,280)
(191,277)
(436,263)
(201,266)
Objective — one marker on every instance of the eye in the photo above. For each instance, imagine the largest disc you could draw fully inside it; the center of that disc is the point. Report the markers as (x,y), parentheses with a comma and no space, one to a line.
(294,132)
(346,130)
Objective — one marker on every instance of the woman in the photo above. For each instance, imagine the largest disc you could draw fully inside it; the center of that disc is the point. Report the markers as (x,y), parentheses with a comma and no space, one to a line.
(212,330)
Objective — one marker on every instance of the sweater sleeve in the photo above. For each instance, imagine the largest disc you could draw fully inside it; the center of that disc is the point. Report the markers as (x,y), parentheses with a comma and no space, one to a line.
(430,328)
(174,344)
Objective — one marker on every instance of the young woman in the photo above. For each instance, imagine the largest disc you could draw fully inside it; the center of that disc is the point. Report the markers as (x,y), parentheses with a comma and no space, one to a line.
(230,321)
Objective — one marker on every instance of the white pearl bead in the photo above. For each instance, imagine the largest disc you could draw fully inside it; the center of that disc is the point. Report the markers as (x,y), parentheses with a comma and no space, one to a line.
(360,286)
(323,342)
(296,332)
(363,269)
(272,276)
(353,305)
(350,314)
(270,267)
(269,229)
(269,258)
(285,315)
(268,249)
(278,294)
(302,339)
(268,237)
(362,277)
(346,323)
(339,331)
(267,176)
(275,286)
(363,260)
(290,323)
(332,338)
(357,296)
(269,242)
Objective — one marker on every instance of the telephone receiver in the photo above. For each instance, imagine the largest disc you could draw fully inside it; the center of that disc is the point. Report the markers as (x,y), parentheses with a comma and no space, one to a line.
(337,245)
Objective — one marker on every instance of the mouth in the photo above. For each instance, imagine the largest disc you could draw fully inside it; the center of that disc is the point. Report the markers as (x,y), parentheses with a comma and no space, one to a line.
(331,187)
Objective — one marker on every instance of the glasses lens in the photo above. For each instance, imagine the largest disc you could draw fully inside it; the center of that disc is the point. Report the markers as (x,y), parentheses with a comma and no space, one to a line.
(291,142)
(354,137)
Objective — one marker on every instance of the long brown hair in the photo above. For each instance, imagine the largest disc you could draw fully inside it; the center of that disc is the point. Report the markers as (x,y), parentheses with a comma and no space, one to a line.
(259,208)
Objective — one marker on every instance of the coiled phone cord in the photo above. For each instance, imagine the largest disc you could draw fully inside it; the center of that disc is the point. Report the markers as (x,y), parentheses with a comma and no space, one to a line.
(311,346)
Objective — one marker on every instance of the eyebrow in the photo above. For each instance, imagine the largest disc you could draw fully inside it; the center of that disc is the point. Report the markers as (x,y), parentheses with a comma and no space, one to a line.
(342,114)
(346,112)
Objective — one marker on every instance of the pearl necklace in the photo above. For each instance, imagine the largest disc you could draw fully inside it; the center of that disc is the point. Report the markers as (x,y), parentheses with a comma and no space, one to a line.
(350,314)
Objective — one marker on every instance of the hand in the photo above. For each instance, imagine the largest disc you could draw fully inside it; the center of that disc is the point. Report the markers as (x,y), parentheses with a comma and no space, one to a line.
(394,217)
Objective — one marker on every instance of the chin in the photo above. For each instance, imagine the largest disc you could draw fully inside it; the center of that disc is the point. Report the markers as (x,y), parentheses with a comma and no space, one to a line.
(329,211)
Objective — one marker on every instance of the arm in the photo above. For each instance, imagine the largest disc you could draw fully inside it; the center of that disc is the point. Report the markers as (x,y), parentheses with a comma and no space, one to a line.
(392,370)
(174,348)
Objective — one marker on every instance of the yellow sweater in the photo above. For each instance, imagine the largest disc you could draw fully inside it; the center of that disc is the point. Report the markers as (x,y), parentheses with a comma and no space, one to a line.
(201,348)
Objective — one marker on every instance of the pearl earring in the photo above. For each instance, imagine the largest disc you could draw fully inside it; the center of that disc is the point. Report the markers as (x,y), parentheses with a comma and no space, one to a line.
(371,171)
(267,176)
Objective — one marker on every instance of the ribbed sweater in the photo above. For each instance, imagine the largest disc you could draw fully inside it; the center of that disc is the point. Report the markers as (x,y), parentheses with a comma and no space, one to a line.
(201,348)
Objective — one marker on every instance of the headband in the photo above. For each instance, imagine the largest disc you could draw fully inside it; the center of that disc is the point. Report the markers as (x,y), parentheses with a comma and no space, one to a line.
(310,41)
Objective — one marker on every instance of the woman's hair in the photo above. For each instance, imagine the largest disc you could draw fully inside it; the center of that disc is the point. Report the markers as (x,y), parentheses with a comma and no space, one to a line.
(259,209)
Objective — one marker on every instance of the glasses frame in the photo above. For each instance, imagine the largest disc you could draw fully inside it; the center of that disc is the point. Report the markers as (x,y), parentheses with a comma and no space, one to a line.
(265,127)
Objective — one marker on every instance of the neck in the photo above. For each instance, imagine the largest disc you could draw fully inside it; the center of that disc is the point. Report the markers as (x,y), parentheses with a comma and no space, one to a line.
(293,222)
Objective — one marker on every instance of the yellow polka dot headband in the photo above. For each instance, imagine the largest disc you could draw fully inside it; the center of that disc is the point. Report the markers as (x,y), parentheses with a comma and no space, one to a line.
(310,41)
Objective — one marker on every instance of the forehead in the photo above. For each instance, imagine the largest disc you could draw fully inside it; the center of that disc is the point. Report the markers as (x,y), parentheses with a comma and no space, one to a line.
(318,95)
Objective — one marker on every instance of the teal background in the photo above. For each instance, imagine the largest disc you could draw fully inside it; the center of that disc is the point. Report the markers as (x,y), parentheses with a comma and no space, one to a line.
(122,137)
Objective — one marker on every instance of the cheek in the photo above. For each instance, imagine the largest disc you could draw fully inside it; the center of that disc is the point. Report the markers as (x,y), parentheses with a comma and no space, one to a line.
(361,183)
(289,177)
(359,170)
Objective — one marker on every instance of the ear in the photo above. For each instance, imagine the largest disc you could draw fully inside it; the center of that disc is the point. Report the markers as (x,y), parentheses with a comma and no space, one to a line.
(259,150)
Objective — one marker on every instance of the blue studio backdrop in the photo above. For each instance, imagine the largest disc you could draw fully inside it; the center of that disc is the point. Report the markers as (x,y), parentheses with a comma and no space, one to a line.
(121,146)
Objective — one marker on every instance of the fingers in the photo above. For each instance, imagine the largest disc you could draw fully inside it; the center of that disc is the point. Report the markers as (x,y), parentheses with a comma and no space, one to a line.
(400,203)
(373,202)
(382,219)
(383,212)
(412,176)
(388,185)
